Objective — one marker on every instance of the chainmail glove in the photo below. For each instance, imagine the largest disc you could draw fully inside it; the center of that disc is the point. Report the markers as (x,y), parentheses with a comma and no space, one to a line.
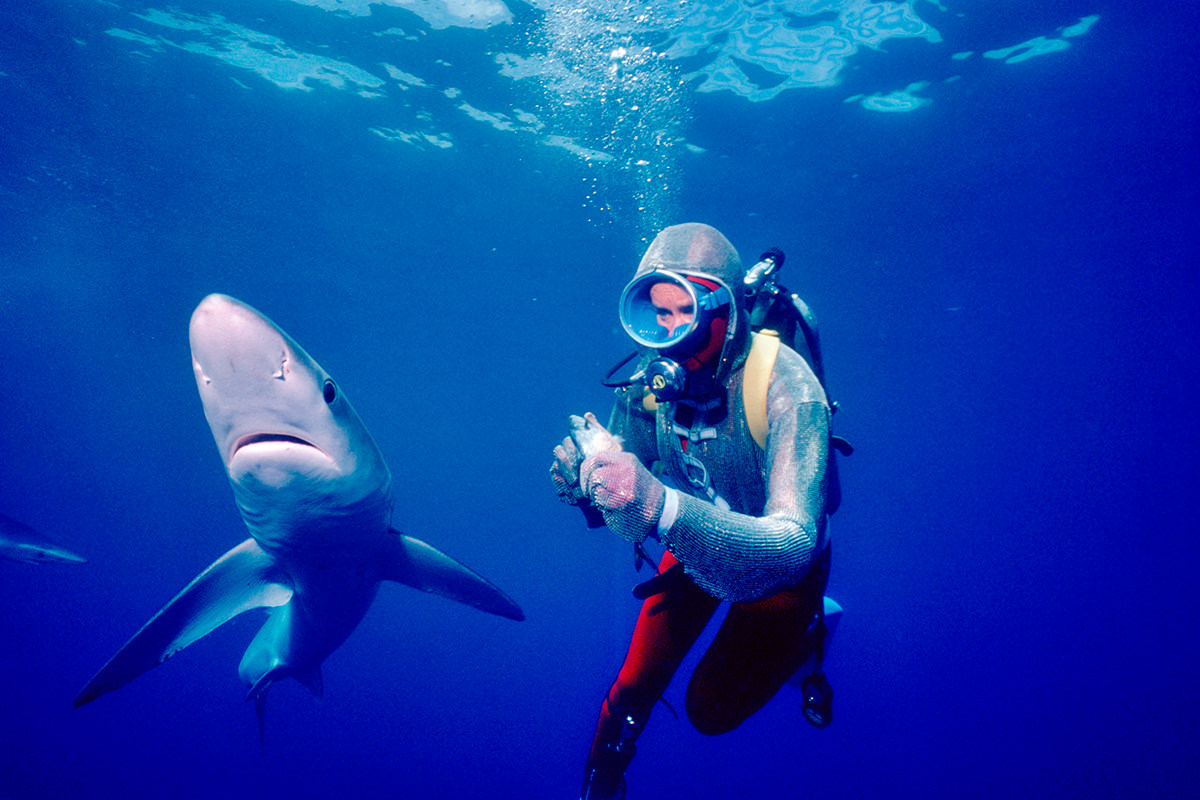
(564,472)
(630,498)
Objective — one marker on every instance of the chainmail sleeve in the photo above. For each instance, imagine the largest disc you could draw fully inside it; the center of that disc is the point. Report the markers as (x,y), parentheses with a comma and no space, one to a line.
(746,556)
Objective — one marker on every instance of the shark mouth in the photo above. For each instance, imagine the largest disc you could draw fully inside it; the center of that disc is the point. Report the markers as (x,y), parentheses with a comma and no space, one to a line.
(271,438)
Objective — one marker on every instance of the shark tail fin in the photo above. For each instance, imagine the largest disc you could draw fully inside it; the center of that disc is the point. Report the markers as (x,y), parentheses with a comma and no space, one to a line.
(422,566)
(258,693)
(260,713)
(242,579)
(311,679)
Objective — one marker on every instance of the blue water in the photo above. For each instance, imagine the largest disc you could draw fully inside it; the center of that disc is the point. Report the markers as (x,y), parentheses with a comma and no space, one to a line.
(443,209)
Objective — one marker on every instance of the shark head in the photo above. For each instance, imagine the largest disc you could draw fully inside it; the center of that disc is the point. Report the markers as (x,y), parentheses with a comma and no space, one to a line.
(287,435)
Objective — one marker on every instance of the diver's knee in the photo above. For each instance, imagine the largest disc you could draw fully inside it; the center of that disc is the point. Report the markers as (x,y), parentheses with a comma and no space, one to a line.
(710,718)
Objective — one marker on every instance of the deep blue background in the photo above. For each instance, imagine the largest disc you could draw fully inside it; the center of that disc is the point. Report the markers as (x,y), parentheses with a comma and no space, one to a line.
(1006,281)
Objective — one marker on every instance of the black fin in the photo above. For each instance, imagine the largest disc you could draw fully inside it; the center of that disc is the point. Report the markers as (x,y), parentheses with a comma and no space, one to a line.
(660,582)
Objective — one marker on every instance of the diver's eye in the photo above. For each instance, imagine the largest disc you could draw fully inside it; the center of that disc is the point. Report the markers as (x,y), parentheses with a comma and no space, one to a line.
(330,391)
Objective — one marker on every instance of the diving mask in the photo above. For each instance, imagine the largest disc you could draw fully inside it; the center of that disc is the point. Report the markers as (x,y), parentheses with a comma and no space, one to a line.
(663,309)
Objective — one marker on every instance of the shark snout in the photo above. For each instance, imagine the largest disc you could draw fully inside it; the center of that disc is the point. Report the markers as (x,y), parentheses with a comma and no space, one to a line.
(228,337)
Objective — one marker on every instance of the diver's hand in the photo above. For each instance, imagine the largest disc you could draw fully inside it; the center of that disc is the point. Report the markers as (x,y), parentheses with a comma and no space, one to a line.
(629,497)
(564,472)
(589,436)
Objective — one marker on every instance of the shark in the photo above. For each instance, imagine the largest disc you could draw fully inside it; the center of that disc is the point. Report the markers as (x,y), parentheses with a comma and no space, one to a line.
(19,542)
(316,495)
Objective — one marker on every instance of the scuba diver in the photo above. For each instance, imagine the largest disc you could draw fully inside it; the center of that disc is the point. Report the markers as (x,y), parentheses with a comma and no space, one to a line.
(720,450)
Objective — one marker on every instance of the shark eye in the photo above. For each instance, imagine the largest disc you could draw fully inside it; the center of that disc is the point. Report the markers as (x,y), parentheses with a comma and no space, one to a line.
(330,391)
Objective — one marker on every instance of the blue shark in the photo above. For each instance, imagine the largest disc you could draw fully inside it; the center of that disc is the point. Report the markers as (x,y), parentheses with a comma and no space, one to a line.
(19,542)
(316,495)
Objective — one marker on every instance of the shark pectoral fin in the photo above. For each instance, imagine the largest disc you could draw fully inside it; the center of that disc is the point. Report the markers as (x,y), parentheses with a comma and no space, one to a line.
(419,565)
(242,579)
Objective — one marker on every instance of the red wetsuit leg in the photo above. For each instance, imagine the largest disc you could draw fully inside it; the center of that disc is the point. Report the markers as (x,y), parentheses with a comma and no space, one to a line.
(668,625)
(759,647)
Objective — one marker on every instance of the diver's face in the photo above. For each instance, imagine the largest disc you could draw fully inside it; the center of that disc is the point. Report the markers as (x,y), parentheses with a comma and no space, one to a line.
(672,306)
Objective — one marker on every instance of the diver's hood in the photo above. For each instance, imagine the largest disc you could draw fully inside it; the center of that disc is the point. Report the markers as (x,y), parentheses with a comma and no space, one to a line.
(696,249)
